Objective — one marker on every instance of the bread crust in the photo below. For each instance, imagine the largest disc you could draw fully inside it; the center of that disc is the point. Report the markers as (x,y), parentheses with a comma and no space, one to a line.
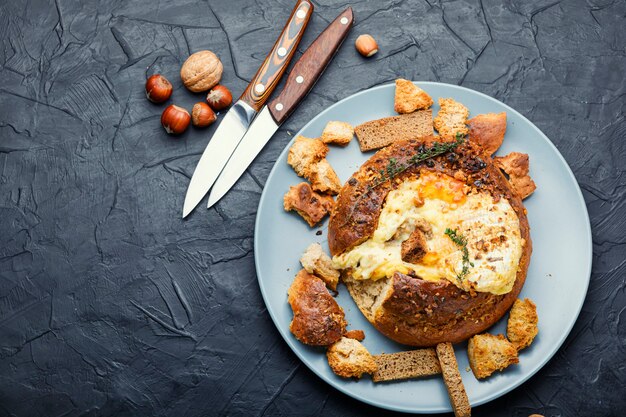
(414,311)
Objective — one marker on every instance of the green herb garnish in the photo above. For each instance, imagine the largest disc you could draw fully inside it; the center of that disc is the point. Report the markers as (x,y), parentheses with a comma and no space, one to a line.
(393,169)
(460,241)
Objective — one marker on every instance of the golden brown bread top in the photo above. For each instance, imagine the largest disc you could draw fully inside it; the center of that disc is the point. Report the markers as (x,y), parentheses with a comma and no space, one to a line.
(355,216)
(418,312)
(317,318)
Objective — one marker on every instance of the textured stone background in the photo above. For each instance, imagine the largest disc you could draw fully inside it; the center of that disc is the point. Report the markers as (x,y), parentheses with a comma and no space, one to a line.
(111,304)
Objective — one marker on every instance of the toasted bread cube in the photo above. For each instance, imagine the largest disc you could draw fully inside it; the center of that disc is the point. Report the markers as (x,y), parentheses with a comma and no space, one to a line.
(348,358)
(307,203)
(305,153)
(451,119)
(414,248)
(516,165)
(522,326)
(315,261)
(317,318)
(355,334)
(487,130)
(410,97)
(340,133)
(488,353)
(324,178)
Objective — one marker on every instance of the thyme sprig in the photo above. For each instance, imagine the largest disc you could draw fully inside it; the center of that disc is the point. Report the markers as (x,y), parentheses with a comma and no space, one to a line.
(460,241)
(393,168)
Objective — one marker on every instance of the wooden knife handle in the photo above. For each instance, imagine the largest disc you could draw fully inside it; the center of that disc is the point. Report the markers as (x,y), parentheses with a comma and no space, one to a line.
(276,62)
(310,66)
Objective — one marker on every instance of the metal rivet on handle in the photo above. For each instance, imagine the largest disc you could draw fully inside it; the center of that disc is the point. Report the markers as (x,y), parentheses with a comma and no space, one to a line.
(282,51)
(279,106)
(299,79)
(344,20)
(259,88)
(300,14)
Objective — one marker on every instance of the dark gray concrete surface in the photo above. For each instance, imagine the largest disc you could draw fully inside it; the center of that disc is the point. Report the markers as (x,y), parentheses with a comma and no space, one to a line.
(111,304)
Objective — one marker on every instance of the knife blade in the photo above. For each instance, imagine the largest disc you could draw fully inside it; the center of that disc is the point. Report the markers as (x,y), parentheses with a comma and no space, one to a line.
(236,122)
(300,81)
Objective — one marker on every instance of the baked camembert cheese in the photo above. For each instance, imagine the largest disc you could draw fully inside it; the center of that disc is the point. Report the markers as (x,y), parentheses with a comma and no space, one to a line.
(438,204)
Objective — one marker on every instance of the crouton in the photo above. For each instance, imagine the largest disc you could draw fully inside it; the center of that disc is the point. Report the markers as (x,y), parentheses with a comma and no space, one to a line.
(315,261)
(323,178)
(317,318)
(452,380)
(379,133)
(522,326)
(355,334)
(339,133)
(488,353)
(487,130)
(516,166)
(410,97)
(348,358)
(305,153)
(451,119)
(310,205)
(414,248)
(404,365)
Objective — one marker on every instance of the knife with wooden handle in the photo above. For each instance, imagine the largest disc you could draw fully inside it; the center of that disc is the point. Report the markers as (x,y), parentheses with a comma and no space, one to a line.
(236,122)
(300,81)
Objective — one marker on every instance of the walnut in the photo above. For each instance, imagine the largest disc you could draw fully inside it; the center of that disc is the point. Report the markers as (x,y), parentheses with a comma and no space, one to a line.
(201,71)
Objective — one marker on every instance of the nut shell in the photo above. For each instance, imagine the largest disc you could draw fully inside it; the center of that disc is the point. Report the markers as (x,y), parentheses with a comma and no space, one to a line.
(175,120)
(219,98)
(201,71)
(202,115)
(366,45)
(158,88)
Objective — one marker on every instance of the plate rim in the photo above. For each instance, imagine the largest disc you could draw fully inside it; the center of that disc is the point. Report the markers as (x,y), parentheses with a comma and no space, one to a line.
(496,394)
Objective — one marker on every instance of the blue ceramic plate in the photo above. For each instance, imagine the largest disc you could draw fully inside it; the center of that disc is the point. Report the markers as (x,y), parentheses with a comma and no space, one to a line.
(557,280)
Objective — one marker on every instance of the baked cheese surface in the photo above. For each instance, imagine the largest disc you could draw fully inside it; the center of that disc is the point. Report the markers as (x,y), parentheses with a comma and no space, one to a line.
(442,206)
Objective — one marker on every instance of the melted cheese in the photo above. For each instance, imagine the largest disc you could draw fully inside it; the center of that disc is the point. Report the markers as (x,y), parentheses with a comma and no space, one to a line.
(491,228)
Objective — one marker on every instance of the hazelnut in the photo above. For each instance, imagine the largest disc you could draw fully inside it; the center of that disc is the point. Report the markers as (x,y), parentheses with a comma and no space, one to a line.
(366,45)
(158,88)
(175,120)
(201,71)
(219,98)
(202,115)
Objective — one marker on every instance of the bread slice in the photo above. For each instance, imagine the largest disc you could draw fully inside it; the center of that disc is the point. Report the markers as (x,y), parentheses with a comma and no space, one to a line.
(348,358)
(317,318)
(521,328)
(311,206)
(488,353)
(315,261)
(404,365)
(410,97)
(516,166)
(379,133)
(339,133)
(452,379)
(451,118)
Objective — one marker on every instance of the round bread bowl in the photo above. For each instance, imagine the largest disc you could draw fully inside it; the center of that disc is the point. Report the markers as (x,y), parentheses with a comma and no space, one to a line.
(406,308)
